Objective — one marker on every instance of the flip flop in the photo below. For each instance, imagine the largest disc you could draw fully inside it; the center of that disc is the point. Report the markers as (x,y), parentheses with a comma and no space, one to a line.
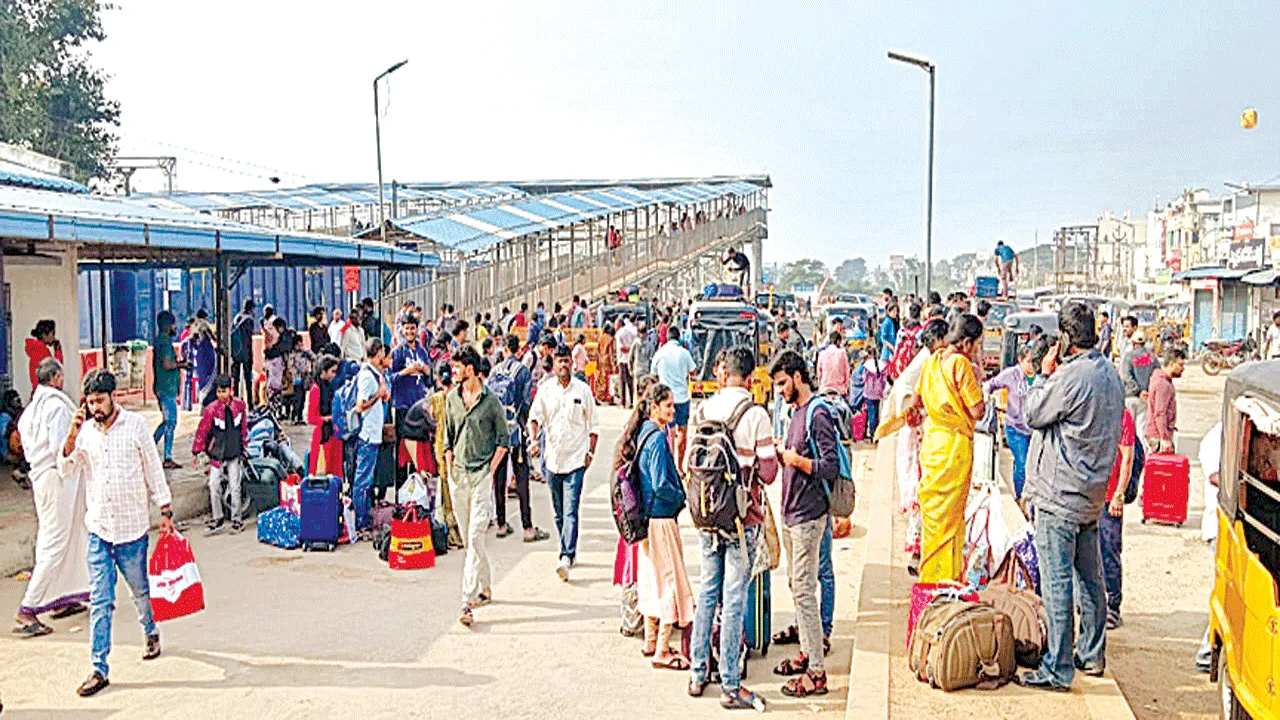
(69,611)
(538,536)
(790,636)
(674,662)
(504,531)
(35,628)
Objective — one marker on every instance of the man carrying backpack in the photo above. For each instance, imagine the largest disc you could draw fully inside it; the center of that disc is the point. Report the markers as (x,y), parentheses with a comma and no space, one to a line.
(371,393)
(731,416)
(810,465)
(511,382)
(242,350)
(566,410)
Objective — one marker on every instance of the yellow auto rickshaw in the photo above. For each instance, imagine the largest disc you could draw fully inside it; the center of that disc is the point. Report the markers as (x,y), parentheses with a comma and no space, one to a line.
(1244,610)
(716,325)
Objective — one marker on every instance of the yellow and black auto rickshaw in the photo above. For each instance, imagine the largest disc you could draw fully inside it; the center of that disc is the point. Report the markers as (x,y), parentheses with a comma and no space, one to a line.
(716,325)
(857,319)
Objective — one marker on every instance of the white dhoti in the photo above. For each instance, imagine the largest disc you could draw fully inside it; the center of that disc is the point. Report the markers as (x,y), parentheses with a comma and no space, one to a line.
(61,574)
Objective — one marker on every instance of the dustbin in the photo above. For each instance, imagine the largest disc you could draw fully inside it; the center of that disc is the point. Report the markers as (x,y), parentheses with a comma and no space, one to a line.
(137,363)
(119,364)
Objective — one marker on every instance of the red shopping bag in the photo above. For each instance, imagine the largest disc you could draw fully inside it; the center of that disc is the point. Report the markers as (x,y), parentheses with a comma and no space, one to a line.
(289,493)
(411,546)
(176,590)
(924,593)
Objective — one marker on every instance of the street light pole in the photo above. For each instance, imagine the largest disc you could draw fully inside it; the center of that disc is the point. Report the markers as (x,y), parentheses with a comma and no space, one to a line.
(377,134)
(930,68)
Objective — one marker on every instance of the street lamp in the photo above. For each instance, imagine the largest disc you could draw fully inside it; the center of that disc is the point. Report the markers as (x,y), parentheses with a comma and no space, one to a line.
(377,134)
(928,233)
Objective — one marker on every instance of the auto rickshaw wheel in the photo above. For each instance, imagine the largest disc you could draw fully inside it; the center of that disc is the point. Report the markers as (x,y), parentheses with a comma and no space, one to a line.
(1228,706)
(1213,364)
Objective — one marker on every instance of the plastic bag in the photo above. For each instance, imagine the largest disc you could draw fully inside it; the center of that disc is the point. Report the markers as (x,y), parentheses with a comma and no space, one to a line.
(176,589)
(415,491)
(411,546)
(986,535)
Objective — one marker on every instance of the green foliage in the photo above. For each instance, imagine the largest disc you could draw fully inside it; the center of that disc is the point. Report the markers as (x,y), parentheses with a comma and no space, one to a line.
(802,272)
(52,100)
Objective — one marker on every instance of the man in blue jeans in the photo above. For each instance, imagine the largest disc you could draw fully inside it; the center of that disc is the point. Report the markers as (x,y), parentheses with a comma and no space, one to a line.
(1075,411)
(122,471)
(167,382)
(371,396)
(565,408)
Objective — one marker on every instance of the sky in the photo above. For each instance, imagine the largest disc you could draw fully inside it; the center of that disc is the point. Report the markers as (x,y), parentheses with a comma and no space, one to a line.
(1045,116)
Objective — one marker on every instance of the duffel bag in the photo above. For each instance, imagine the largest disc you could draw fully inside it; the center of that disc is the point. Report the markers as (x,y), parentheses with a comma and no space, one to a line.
(279,527)
(1008,594)
(961,645)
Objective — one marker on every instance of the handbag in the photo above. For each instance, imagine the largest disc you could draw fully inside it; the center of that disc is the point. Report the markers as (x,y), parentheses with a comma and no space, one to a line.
(411,543)
(770,535)
(176,589)
(1010,593)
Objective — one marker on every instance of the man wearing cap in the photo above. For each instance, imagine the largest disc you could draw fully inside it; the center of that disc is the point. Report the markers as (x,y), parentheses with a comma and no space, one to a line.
(1136,366)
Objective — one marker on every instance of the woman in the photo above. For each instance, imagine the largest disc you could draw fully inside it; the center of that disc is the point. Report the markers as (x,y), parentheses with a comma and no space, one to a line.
(326,448)
(949,393)
(606,365)
(204,358)
(627,556)
(43,343)
(1016,380)
(580,358)
(664,596)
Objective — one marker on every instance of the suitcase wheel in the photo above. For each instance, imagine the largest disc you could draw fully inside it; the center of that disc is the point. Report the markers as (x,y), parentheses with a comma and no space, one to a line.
(1144,521)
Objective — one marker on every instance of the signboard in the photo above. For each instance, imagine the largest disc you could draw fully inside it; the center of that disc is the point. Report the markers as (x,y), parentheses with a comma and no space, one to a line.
(1209,284)
(1174,261)
(897,263)
(1273,242)
(802,288)
(1246,254)
(173,279)
(1243,231)
(1164,276)
(350,278)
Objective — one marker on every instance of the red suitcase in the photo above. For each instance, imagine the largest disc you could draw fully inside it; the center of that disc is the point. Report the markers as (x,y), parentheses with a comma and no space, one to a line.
(1166,482)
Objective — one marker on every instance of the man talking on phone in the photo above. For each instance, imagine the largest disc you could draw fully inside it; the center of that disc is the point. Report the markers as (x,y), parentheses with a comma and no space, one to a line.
(122,467)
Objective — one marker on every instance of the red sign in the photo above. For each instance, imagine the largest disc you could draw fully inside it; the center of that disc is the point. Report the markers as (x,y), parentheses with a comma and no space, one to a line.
(1174,261)
(1243,231)
(350,278)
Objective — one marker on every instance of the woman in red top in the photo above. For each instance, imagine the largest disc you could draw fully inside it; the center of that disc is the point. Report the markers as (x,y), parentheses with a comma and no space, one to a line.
(43,343)
(326,448)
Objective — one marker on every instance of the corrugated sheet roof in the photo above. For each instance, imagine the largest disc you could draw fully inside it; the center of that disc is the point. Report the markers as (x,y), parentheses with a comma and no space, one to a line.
(12,173)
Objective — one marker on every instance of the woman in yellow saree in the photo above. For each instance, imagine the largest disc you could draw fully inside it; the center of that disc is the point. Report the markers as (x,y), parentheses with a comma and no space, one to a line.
(950,397)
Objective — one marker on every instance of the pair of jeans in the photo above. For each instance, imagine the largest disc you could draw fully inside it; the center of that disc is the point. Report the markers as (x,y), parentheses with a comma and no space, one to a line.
(873,417)
(1110,543)
(472,493)
(105,558)
(566,492)
(169,407)
(242,371)
(726,576)
(802,544)
(1018,442)
(519,465)
(1070,577)
(827,581)
(229,469)
(362,484)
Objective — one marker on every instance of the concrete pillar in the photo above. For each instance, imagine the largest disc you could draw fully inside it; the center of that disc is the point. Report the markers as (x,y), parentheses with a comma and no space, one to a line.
(39,291)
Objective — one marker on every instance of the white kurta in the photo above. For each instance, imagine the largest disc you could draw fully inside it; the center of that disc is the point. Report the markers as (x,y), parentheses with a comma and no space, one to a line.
(61,574)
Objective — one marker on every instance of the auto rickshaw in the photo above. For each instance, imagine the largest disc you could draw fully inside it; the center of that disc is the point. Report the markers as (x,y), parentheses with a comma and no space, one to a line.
(1017,332)
(993,334)
(716,325)
(1244,612)
(857,317)
(771,300)
(1173,326)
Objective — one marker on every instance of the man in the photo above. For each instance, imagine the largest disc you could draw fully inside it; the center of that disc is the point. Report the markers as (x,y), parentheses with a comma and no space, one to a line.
(738,265)
(222,437)
(1006,266)
(1162,401)
(810,463)
(726,569)
(335,327)
(122,471)
(833,366)
(674,367)
(447,320)
(59,581)
(625,340)
(566,410)
(410,378)
(461,329)
(1075,410)
(1211,466)
(1136,366)
(371,323)
(166,383)
(1104,334)
(1128,325)
(476,442)
(888,337)
(242,326)
(512,383)
(371,393)
(352,340)
(578,316)
(317,331)
(1111,521)
(1273,338)
(982,309)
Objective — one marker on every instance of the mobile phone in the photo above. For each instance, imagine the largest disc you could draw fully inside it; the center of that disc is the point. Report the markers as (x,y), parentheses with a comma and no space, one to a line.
(1064,345)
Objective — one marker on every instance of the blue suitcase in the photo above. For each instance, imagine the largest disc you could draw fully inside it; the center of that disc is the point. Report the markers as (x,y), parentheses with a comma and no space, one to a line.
(320,499)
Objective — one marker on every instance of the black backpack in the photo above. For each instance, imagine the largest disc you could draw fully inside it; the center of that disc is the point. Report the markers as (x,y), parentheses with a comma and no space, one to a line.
(718,495)
(627,497)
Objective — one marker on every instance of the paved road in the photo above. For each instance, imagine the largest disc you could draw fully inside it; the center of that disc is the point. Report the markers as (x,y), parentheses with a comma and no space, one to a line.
(288,635)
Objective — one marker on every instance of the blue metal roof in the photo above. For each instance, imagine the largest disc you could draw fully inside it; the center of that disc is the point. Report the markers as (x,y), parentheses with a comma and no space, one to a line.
(322,197)
(1200,273)
(12,173)
(122,223)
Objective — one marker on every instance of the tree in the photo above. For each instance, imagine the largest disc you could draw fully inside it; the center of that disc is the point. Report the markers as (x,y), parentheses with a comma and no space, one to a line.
(52,100)
(851,273)
(802,272)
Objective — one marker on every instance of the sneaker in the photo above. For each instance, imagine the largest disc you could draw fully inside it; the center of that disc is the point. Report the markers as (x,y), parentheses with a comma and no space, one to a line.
(153,648)
(214,528)
(237,527)
(1092,669)
(1114,621)
(562,568)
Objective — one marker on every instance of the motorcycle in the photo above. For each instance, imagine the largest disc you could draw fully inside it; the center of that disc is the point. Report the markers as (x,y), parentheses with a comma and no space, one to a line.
(1228,354)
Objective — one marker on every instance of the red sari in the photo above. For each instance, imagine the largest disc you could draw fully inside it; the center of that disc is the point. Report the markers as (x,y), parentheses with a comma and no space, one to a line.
(326,456)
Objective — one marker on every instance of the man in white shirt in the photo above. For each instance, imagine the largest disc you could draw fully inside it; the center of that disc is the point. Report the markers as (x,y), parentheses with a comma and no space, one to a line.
(625,340)
(1210,465)
(122,473)
(1273,337)
(674,367)
(371,393)
(353,340)
(335,328)
(60,579)
(565,407)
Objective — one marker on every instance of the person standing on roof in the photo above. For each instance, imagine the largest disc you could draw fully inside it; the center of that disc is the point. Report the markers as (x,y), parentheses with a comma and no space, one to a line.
(1006,266)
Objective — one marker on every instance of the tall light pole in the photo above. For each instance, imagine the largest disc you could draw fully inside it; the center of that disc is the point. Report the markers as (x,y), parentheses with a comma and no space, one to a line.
(928,233)
(377,134)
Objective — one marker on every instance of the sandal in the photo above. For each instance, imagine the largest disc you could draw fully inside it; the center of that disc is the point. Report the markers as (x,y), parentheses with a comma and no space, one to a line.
(810,683)
(504,530)
(696,688)
(674,661)
(649,650)
(35,628)
(69,611)
(466,618)
(741,699)
(797,665)
(538,535)
(790,636)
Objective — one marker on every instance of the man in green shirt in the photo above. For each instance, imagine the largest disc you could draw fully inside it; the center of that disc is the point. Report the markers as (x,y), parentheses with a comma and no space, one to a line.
(167,373)
(475,444)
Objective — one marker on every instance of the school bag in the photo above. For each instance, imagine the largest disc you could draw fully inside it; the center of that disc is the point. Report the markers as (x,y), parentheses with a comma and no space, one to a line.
(840,491)
(504,383)
(627,499)
(346,420)
(718,496)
